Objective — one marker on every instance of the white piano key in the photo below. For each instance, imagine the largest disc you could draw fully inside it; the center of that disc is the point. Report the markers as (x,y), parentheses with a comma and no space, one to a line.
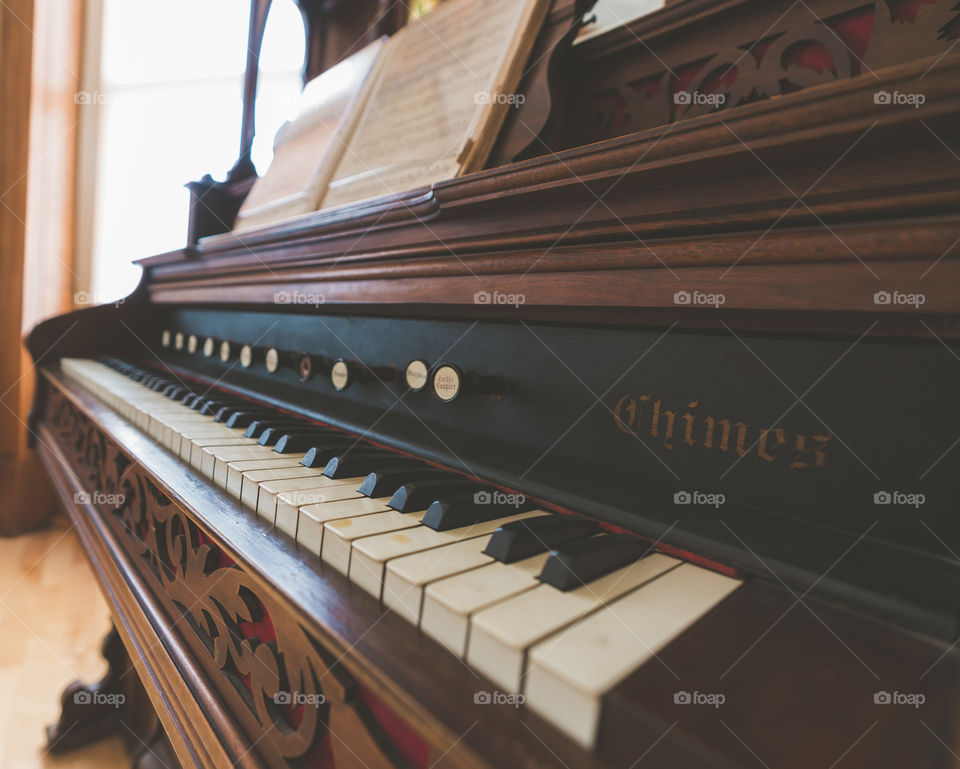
(235,470)
(270,491)
(339,535)
(501,635)
(288,505)
(250,488)
(220,455)
(449,603)
(370,554)
(199,444)
(569,673)
(406,577)
(311,518)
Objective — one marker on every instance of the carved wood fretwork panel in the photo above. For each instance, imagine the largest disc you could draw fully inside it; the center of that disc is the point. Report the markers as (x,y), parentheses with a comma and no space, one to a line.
(800,50)
(294,703)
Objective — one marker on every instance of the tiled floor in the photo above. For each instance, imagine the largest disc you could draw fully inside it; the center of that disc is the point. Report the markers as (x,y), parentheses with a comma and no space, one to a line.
(52,620)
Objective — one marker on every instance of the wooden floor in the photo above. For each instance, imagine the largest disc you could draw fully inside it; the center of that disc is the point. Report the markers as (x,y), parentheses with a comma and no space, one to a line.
(52,619)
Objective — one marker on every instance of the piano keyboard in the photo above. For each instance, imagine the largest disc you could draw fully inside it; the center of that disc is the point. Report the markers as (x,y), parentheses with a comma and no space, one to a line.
(545,605)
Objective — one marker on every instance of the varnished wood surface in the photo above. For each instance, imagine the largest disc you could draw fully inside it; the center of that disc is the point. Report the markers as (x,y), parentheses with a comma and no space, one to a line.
(53,617)
(680,206)
(800,683)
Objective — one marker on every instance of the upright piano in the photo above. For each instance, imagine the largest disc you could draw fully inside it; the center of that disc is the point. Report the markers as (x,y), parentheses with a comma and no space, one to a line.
(639,448)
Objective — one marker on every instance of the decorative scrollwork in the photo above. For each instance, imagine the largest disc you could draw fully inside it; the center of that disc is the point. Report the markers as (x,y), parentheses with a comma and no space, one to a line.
(296,707)
(803,52)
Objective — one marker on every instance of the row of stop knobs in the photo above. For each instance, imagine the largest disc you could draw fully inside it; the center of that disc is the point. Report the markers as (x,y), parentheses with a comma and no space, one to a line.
(445,380)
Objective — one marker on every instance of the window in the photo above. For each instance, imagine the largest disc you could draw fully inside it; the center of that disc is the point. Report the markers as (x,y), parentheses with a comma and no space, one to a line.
(163,109)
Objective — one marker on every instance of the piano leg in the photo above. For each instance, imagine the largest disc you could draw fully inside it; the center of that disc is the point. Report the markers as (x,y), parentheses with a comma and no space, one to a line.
(117,704)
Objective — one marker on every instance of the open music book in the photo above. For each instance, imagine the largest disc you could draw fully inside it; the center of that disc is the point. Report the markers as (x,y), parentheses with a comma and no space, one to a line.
(423,106)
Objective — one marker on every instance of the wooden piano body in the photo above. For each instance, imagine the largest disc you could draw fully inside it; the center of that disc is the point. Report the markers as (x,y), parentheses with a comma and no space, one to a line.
(676,303)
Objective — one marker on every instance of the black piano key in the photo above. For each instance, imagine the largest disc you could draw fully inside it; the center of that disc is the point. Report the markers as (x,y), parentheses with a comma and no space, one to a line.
(576,563)
(258,427)
(467,509)
(225,412)
(188,398)
(319,454)
(274,432)
(419,495)
(299,443)
(244,417)
(517,540)
(174,392)
(212,406)
(362,460)
(382,483)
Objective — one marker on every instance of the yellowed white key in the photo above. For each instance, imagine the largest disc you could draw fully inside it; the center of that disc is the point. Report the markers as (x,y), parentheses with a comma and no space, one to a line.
(185,440)
(568,673)
(311,518)
(198,445)
(339,535)
(370,554)
(288,504)
(449,603)
(235,470)
(250,488)
(406,577)
(269,490)
(223,454)
(501,635)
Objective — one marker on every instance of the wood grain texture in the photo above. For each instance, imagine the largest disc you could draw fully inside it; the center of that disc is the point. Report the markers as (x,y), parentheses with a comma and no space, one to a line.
(803,685)
(709,203)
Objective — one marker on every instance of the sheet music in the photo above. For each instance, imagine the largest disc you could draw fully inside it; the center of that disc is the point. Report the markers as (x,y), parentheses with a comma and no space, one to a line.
(436,93)
(308,148)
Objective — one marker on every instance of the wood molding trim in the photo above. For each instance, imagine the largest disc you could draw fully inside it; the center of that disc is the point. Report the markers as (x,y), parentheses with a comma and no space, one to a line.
(681,204)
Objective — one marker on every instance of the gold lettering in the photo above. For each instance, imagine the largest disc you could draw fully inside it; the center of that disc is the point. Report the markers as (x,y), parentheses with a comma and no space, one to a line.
(628,404)
(725,435)
(820,456)
(762,446)
(655,425)
(688,420)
